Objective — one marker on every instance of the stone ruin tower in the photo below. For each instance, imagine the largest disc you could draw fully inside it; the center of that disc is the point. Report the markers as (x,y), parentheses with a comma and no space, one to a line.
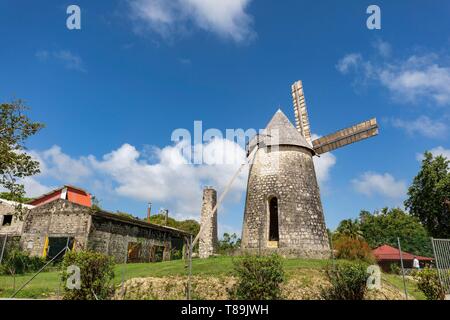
(208,239)
(283,210)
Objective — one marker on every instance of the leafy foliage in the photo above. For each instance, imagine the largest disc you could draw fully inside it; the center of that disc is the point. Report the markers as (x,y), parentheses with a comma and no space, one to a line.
(428,283)
(429,195)
(350,229)
(259,278)
(191,226)
(229,243)
(17,261)
(383,227)
(353,249)
(15,128)
(348,281)
(11,197)
(96,272)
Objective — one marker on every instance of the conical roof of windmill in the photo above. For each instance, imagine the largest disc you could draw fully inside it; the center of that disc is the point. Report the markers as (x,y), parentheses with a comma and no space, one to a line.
(280,131)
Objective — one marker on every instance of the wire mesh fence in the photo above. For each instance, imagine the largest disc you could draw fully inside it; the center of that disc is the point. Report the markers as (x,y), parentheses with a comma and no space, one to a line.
(441,248)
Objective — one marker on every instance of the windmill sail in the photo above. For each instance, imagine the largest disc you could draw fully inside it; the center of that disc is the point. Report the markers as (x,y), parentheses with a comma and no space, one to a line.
(346,136)
(301,114)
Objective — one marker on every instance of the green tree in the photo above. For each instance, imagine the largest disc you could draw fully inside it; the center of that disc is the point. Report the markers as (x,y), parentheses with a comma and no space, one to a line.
(228,243)
(349,228)
(191,226)
(429,195)
(15,163)
(383,227)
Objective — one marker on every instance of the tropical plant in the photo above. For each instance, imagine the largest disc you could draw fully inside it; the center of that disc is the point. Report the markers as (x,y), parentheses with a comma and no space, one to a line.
(258,278)
(428,283)
(348,281)
(353,249)
(96,275)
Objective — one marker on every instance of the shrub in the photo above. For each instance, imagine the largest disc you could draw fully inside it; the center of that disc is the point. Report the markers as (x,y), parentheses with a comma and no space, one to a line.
(96,275)
(349,248)
(348,281)
(17,261)
(258,278)
(428,283)
(395,269)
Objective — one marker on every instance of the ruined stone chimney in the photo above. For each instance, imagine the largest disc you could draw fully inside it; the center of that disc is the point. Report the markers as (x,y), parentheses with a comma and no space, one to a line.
(208,238)
(149,210)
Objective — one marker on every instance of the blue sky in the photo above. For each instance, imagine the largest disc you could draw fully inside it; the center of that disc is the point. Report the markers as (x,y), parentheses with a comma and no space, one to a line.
(112,93)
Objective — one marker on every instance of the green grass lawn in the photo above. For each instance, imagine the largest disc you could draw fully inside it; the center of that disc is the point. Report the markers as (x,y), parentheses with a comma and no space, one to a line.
(47,284)
(411,286)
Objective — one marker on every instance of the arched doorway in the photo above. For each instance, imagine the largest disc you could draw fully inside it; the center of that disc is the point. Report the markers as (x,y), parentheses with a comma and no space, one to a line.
(273,219)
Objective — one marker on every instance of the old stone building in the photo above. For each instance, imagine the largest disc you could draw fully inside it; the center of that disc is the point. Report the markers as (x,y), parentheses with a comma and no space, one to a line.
(283,211)
(208,239)
(48,228)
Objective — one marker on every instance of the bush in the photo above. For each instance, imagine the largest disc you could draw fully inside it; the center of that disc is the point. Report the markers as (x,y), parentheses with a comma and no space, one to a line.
(96,275)
(428,283)
(348,281)
(395,269)
(17,261)
(349,248)
(259,278)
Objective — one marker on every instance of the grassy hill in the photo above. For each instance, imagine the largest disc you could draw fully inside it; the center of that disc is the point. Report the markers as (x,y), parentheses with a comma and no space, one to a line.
(47,285)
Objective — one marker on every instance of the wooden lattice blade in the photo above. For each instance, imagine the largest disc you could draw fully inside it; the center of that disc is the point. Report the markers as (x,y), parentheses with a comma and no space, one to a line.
(346,136)
(301,114)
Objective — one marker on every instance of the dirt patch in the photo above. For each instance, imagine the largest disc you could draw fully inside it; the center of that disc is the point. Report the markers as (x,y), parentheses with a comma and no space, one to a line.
(304,286)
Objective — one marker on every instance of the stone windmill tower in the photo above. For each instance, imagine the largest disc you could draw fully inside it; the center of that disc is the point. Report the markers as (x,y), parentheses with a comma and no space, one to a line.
(283,210)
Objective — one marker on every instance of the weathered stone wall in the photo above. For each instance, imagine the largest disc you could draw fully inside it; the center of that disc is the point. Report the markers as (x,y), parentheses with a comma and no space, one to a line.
(99,231)
(116,238)
(288,174)
(208,238)
(59,218)
(15,228)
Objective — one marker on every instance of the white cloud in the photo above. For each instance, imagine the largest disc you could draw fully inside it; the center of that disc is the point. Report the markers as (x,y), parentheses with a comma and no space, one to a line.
(34,188)
(349,62)
(226,18)
(438,151)
(170,179)
(419,78)
(323,164)
(441,151)
(69,59)
(422,125)
(161,175)
(383,48)
(58,165)
(371,183)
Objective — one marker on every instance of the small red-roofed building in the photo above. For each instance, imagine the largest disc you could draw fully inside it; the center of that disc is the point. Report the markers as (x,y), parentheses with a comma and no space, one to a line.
(386,256)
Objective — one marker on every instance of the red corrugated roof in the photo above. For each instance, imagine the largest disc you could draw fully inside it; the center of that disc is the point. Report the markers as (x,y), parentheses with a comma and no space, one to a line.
(386,252)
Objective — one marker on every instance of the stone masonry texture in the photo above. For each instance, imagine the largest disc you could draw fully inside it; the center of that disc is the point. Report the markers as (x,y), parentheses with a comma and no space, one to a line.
(208,239)
(124,239)
(286,172)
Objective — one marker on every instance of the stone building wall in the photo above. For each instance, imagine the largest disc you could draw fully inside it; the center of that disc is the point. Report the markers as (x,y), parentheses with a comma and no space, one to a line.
(118,239)
(59,218)
(15,228)
(208,239)
(125,239)
(288,174)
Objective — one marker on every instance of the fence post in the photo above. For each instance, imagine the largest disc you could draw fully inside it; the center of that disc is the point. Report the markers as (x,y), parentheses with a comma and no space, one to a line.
(3,248)
(403,270)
